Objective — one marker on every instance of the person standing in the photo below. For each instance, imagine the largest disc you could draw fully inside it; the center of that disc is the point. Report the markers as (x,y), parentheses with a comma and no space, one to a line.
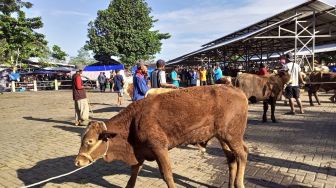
(158,76)
(81,102)
(210,76)
(218,74)
(203,74)
(193,75)
(102,81)
(292,90)
(111,80)
(105,83)
(262,70)
(119,82)
(140,81)
(174,77)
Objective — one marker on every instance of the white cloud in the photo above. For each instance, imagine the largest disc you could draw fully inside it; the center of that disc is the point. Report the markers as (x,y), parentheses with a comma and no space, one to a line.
(68,13)
(192,27)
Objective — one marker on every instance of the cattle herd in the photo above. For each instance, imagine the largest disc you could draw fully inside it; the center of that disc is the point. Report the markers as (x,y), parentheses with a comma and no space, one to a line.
(147,129)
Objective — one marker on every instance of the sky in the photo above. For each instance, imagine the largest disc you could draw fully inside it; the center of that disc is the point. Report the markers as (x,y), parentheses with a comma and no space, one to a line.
(191,23)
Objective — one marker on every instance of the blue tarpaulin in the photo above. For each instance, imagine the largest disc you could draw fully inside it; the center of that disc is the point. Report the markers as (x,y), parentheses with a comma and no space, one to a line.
(332,68)
(104,68)
(14,76)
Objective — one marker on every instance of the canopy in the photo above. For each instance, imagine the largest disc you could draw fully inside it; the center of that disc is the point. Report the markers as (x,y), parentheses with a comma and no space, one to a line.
(104,67)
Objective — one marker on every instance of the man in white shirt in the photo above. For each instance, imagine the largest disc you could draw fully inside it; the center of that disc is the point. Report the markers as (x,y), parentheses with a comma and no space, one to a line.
(158,77)
(292,90)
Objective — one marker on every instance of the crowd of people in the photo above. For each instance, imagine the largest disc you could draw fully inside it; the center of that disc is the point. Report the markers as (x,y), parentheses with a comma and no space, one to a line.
(179,77)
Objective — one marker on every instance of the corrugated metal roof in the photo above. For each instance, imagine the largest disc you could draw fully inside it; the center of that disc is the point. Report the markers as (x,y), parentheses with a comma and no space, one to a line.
(326,15)
(316,5)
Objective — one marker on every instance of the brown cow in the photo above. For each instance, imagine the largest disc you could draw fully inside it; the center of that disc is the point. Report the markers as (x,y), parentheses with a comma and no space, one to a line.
(321,77)
(148,128)
(263,88)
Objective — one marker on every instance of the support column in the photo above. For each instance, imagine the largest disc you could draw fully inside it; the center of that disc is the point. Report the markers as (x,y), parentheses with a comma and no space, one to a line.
(34,85)
(56,85)
(13,86)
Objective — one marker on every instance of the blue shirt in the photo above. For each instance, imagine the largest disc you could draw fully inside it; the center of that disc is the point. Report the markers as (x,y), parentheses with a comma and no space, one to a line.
(175,82)
(118,82)
(218,73)
(140,87)
(194,78)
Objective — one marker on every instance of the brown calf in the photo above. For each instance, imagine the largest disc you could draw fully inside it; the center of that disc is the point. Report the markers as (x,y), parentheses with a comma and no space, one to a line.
(148,128)
(321,77)
(263,88)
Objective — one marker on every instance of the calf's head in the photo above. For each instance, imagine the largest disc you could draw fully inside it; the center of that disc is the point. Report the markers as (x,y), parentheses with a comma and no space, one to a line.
(284,76)
(94,143)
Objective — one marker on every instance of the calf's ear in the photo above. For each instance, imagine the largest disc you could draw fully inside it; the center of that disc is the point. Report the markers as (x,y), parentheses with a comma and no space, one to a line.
(106,135)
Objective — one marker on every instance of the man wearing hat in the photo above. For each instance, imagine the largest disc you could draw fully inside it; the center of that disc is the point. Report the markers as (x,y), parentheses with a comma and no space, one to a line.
(292,90)
(79,97)
(140,81)
(158,76)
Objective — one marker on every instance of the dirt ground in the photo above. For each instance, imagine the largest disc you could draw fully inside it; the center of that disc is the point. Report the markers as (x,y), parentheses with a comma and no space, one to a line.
(39,141)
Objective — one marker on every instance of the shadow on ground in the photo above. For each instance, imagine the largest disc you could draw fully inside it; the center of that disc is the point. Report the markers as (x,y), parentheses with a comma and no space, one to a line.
(109,109)
(93,174)
(48,120)
(277,162)
(264,183)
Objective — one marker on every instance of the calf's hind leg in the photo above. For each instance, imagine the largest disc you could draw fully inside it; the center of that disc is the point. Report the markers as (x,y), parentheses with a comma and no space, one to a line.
(236,151)
(163,161)
(232,162)
(317,99)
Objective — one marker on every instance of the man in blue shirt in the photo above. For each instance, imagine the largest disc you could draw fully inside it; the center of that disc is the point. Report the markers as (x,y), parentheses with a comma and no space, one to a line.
(218,73)
(140,82)
(174,77)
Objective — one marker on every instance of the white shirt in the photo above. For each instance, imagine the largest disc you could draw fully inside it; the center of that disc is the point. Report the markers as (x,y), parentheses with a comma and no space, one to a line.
(294,71)
(162,77)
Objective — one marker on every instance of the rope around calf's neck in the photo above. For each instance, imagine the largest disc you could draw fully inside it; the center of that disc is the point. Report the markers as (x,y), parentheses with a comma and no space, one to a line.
(56,177)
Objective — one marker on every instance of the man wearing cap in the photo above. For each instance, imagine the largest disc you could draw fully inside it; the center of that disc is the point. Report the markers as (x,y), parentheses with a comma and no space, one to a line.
(158,76)
(140,81)
(218,74)
(81,102)
(292,90)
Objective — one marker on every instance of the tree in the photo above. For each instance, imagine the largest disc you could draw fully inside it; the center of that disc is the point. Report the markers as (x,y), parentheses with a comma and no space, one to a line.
(58,53)
(83,58)
(18,33)
(124,29)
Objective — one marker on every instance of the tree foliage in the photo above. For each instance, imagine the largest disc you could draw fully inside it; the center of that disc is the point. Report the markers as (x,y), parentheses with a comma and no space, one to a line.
(18,32)
(58,53)
(124,29)
(83,58)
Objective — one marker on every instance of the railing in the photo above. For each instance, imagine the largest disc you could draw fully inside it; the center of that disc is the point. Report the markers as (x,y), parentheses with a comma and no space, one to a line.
(49,85)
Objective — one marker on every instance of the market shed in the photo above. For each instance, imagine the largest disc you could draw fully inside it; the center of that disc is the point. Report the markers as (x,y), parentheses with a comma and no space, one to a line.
(305,30)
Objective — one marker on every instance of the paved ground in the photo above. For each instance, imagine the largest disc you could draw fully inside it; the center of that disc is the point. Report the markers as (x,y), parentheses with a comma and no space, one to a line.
(39,141)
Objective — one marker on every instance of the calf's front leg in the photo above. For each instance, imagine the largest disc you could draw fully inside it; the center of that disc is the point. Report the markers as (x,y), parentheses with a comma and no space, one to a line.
(265,111)
(273,103)
(134,174)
